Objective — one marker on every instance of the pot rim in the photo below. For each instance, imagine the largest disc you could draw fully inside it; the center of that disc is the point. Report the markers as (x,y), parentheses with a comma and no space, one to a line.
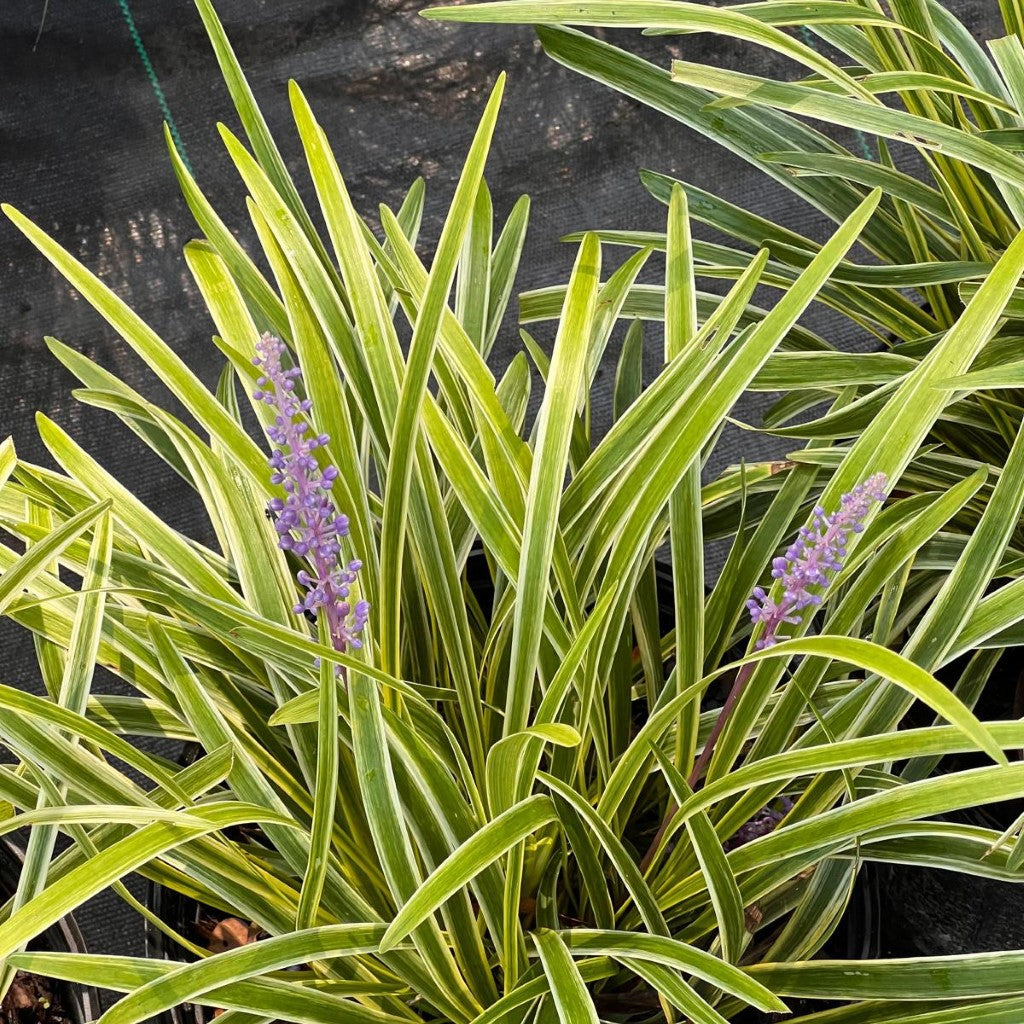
(65,933)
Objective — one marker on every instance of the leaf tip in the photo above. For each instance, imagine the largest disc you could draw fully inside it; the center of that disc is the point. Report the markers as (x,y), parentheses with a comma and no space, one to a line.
(227,135)
(443,12)
(297,98)
(43,422)
(390,939)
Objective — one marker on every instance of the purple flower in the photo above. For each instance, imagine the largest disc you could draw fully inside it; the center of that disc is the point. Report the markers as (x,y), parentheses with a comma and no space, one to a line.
(306,520)
(819,549)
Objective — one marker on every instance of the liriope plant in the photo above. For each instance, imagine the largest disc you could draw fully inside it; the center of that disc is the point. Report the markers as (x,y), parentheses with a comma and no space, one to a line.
(928,115)
(509,800)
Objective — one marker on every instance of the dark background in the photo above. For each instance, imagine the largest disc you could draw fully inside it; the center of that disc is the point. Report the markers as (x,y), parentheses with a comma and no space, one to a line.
(82,154)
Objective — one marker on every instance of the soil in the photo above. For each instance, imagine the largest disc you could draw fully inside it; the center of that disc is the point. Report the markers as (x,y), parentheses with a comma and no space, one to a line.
(32,1000)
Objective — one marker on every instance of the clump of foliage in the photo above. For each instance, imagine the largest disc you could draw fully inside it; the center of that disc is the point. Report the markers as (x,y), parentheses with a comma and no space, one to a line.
(511,802)
(899,97)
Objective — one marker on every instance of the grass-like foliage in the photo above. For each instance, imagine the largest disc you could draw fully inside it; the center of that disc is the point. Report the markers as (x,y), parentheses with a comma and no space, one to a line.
(928,115)
(514,801)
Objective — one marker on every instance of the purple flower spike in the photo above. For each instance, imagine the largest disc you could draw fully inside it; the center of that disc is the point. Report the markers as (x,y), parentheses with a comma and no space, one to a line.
(306,521)
(818,550)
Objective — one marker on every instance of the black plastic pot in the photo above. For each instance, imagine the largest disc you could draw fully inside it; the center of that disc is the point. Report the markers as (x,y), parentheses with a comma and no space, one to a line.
(183,914)
(930,912)
(80,1003)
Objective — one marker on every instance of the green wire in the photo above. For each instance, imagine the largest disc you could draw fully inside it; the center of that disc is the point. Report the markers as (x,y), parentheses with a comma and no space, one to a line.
(161,99)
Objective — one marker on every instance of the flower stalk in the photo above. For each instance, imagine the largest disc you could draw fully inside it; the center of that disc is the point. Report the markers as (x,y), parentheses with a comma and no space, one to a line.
(819,549)
(307,522)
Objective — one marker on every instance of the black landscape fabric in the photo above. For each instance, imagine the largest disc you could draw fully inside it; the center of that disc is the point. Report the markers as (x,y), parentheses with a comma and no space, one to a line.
(82,154)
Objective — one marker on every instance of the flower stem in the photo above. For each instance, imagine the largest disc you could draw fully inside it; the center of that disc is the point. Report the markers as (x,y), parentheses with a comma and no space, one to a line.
(701,763)
(820,548)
